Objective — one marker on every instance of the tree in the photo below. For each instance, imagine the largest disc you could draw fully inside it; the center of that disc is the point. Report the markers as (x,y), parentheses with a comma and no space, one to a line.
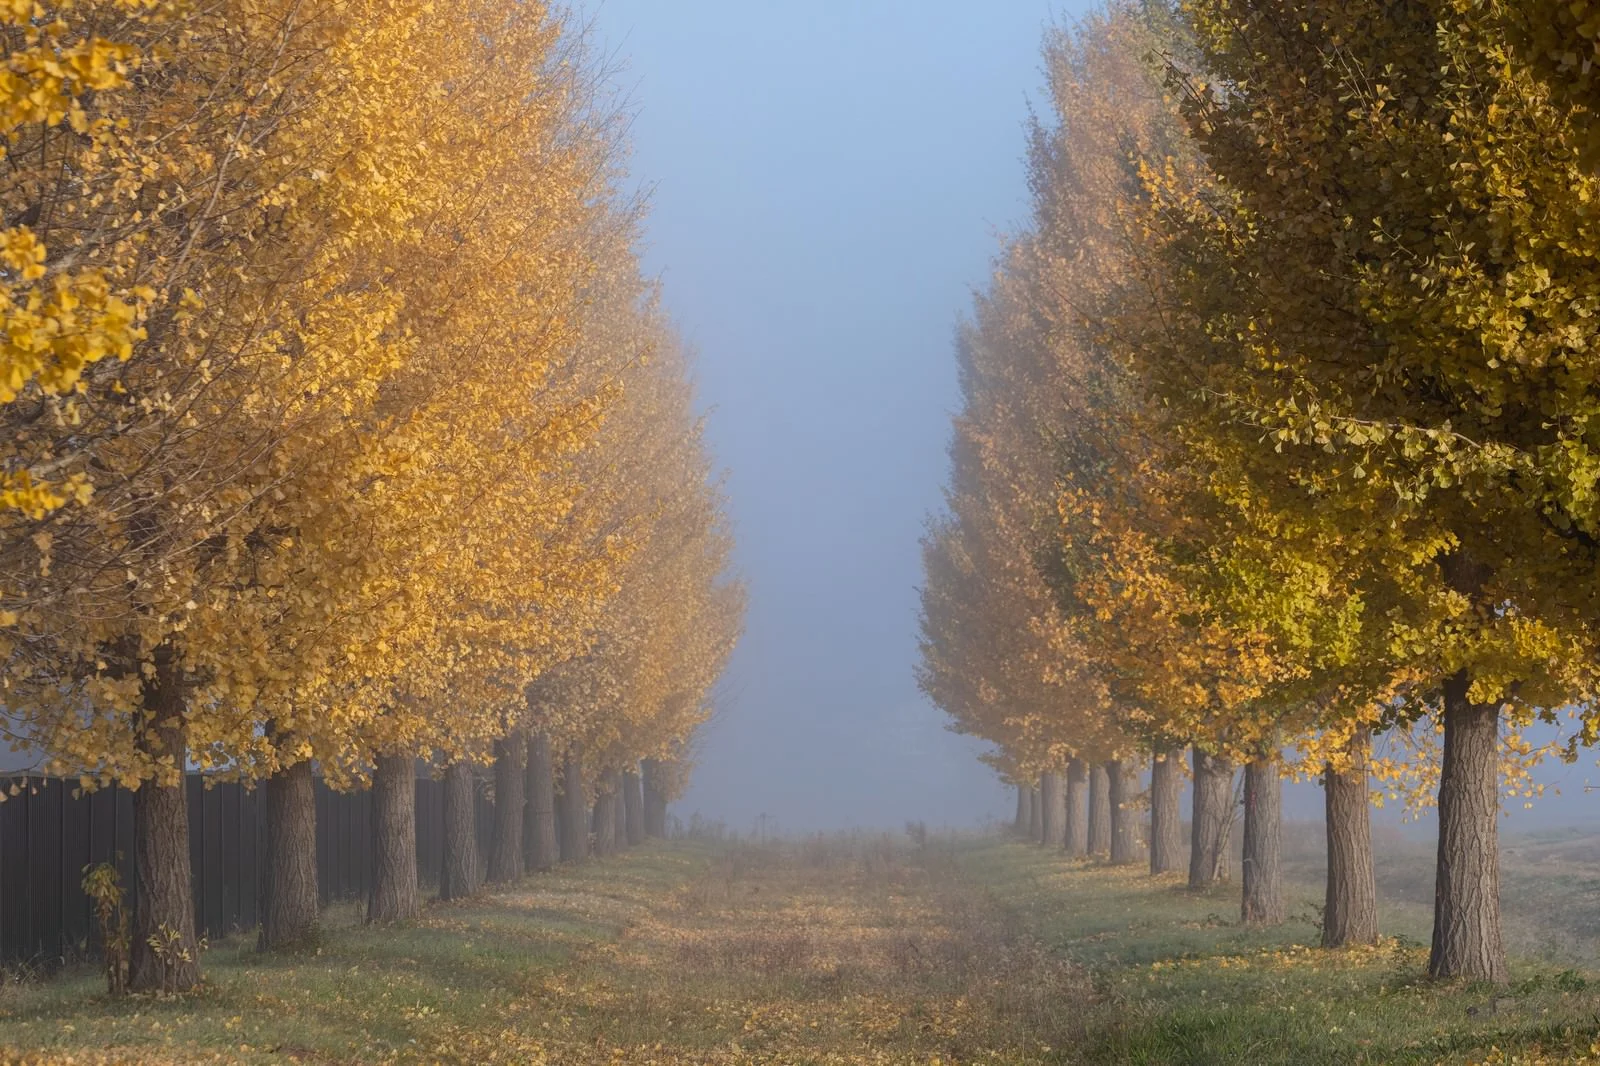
(1387,316)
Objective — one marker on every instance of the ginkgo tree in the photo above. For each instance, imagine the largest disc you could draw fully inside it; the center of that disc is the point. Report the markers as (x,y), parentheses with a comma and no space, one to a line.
(1386,291)
(302,421)
(1198,591)
(242,231)
(644,684)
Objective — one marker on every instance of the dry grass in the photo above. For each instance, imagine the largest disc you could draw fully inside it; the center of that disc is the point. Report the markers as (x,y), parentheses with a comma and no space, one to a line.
(880,949)
(856,949)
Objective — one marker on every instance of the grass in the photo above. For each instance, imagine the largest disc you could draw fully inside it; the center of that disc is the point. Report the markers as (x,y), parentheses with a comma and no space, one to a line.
(846,950)
(1177,980)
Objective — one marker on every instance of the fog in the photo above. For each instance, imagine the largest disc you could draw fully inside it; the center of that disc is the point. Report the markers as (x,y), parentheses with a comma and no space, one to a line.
(829,184)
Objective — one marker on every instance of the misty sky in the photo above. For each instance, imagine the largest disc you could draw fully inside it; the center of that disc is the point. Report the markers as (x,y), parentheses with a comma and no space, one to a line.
(830,180)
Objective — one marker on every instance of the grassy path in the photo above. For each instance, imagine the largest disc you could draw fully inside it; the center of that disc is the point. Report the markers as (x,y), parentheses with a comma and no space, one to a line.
(858,951)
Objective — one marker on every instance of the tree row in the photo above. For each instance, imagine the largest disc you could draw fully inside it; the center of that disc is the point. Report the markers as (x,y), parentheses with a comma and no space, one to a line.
(1277,436)
(343,434)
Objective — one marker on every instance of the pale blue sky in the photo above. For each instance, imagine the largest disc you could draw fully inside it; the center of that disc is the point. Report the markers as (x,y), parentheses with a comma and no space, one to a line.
(830,180)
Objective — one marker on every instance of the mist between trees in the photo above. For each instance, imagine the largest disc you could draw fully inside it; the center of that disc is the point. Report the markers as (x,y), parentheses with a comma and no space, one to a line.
(1277,434)
(342,431)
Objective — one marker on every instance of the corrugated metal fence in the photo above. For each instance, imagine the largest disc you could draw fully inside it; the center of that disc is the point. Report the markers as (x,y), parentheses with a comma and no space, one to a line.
(48,835)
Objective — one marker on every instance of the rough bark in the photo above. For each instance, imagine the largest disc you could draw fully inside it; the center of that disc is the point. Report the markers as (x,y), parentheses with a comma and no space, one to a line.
(291,906)
(1052,810)
(561,820)
(655,798)
(510,800)
(619,809)
(1077,809)
(530,831)
(1166,820)
(1350,907)
(395,895)
(458,879)
(633,807)
(574,808)
(544,852)
(1212,821)
(1020,825)
(1261,902)
(604,825)
(1127,841)
(1099,810)
(164,901)
(1466,897)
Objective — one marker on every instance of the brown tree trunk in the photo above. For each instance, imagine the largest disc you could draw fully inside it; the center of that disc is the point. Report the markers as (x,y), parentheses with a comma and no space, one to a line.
(530,831)
(291,906)
(544,853)
(1213,819)
(1099,810)
(1035,815)
(510,799)
(605,819)
(574,808)
(1020,826)
(633,807)
(619,809)
(163,909)
(1077,809)
(1466,895)
(1350,908)
(1127,843)
(1166,820)
(1262,883)
(655,798)
(458,879)
(1053,810)
(395,896)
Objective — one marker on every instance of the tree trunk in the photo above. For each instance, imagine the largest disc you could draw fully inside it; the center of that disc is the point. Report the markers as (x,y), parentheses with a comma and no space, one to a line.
(510,798)
(545,852)
(1099,810)
(1127,844)
(1053,810)
(1262,899)
(1166,821)
(633,807)
(1466,895)
(605,819)
(655,798)
(163,909)
(561,820)
(1077,809)
(459,877)
(530,831)
(1350,908)
(574,808)
(619,809)
(1020,826)
(291,906)
(1213,819)
(395,897)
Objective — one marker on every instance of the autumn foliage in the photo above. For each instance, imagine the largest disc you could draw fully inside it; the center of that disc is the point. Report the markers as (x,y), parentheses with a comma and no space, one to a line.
(1278,424)
(341,429)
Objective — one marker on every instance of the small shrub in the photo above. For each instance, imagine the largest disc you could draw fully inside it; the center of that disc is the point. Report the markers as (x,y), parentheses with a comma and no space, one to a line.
(103,885)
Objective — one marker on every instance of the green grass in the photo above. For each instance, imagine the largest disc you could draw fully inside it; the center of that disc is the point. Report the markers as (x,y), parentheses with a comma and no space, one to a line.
(1178,980)
(439,989)
(849,950)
